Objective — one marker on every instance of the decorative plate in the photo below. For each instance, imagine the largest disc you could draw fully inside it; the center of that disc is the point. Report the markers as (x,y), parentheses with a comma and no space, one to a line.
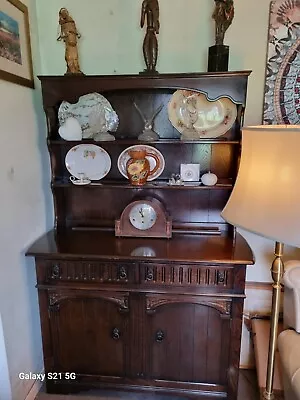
(196,117)
(88,159)
(94,113)
(124,157)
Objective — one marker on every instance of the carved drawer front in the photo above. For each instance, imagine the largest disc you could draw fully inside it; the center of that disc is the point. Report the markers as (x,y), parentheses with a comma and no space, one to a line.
(187,275)
(85,271)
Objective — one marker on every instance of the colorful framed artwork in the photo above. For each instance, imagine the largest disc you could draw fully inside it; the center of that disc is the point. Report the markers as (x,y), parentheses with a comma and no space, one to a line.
(282,84)
(15,47)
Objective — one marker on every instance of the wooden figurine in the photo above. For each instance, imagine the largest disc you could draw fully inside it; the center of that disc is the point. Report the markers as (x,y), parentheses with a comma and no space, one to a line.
(150,11)
(223,15)
(69,34)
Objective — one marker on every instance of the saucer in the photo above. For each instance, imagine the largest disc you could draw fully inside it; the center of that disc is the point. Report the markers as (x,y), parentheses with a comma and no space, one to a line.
(81,183)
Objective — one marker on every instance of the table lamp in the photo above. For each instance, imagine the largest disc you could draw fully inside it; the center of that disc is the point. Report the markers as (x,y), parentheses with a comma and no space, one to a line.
(266,201)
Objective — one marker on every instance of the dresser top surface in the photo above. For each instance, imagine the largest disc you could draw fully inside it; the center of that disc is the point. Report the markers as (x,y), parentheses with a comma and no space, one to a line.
(79,244)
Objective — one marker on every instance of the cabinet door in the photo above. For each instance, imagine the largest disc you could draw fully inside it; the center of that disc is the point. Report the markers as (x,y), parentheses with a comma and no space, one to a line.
(188,338)
(89,331)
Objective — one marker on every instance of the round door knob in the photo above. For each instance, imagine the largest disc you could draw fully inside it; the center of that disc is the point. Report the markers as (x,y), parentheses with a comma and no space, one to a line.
(116,334)
(159,336)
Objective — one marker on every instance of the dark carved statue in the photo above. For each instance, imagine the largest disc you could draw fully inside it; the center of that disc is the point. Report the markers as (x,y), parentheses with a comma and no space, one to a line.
(150,11)
(223,15)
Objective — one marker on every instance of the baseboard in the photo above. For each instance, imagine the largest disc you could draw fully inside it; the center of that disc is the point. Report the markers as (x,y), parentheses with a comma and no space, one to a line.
(261,335)
(259,286)
(257,303)
(249,366)
(35,388)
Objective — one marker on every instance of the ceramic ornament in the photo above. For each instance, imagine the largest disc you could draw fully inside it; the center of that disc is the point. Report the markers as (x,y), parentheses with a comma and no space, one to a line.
(209,179)
(94,113)
(70,129)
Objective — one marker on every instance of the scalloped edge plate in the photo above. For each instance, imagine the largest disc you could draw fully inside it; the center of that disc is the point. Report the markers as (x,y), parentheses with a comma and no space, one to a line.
(189,109)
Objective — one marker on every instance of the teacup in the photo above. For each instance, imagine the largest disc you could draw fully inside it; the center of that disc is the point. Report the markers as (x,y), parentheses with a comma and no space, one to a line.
(82,180)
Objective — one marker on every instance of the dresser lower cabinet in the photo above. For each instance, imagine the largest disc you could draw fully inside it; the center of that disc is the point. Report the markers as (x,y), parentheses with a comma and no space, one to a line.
(141,326)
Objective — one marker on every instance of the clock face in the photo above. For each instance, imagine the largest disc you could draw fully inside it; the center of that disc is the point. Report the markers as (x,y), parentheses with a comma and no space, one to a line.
(142,216)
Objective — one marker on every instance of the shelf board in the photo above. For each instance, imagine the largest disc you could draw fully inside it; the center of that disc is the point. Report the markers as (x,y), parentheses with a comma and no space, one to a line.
(222,184)
(135,142)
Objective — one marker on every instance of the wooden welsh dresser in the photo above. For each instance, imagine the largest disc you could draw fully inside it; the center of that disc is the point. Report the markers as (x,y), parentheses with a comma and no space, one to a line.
(143,314)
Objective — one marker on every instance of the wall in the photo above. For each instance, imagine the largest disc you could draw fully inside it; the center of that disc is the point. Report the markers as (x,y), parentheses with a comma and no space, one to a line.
(24,215)
(112,41)
(5,391)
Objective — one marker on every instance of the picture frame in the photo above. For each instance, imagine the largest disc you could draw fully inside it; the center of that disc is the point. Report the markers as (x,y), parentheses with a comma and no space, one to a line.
(15,52)
(282,82)
(190,172)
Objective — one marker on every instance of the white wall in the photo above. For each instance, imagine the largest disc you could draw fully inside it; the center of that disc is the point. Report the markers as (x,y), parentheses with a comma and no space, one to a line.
(5,388)
(25,213)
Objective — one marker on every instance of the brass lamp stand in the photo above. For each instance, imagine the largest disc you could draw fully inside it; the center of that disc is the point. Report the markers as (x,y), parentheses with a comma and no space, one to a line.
(277,270)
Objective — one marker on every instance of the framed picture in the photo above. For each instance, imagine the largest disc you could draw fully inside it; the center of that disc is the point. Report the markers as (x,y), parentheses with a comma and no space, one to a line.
(15,47)
(282,83)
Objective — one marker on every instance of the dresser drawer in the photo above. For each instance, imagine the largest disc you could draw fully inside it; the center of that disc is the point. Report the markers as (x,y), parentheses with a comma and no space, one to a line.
(187,275)
(89,272)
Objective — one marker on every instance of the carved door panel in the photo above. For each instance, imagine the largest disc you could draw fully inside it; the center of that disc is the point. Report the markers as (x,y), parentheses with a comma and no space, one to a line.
(89,332)
(188,338)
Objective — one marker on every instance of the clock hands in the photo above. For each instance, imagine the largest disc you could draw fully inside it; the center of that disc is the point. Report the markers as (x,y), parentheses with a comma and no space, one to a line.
(143,216)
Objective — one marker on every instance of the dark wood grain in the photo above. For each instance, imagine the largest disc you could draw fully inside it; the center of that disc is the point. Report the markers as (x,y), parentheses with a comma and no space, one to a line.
(87,244)
(143,314)
(90,313)
(247,391)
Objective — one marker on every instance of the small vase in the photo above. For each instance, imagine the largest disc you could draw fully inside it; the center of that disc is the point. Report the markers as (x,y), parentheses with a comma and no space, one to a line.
(138,167)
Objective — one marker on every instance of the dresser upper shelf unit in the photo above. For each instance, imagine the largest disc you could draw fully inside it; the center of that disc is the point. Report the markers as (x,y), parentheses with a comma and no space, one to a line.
(105,199)
(148,93)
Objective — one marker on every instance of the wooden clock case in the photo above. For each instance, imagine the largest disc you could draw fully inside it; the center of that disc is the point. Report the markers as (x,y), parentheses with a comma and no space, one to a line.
(161,229)
(135,313)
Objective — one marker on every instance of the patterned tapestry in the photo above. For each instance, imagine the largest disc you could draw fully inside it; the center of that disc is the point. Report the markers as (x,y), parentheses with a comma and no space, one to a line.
(282,85)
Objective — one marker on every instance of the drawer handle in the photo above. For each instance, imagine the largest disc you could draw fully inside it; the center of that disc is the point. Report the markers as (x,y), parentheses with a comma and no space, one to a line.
(150,274)
(221,276)
(122,273)
(116,334)
(55,271)
(159,336)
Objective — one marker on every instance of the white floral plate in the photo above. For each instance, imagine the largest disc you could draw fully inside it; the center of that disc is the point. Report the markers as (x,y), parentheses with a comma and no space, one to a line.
(124,157)
(88,159)
(191,111)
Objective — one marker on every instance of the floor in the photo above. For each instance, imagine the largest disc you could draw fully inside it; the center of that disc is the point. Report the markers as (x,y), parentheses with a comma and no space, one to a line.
(248,390)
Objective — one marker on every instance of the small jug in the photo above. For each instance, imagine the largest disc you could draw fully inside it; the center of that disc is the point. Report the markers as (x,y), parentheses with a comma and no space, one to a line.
(138,166)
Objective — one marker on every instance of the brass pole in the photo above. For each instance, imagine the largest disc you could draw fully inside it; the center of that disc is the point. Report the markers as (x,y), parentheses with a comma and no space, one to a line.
(277,270)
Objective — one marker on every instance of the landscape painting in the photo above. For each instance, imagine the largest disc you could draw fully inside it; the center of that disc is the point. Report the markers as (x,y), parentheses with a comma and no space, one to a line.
(15,48)
(10,47)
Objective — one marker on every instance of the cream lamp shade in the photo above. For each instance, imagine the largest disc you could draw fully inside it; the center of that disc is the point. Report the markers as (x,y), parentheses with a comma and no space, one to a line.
(266,196)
